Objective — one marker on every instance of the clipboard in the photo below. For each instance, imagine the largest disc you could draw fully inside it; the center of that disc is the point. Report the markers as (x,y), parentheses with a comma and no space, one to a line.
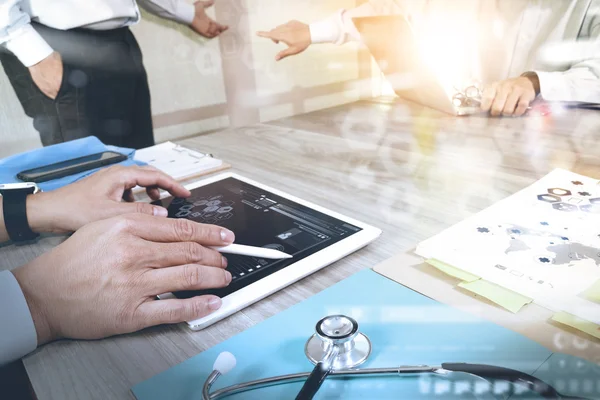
(180,162)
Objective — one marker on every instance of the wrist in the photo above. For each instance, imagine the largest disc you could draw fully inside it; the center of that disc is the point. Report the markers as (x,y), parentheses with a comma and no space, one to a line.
(36,306)
(39,213)
(534,79)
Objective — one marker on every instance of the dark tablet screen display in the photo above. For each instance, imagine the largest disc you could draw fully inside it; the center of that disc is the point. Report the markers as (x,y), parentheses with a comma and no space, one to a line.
(258,218)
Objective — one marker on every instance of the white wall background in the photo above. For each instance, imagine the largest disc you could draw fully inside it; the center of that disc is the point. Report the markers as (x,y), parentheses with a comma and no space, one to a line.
(200,85)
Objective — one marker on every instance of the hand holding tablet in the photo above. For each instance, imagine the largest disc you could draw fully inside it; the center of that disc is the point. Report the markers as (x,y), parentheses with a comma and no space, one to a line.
(103,280)
(273,226)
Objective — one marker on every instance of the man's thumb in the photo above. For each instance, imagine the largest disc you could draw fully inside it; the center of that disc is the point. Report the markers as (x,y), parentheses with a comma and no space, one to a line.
(290,51)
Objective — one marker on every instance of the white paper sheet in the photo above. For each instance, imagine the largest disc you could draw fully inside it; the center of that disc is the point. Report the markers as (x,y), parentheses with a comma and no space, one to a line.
(177,161)
(543,242)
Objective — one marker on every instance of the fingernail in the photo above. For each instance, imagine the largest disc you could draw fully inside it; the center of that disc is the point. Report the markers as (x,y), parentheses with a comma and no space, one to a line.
(227,236)
(228,277)
(224,261)
(160,212)
(215,303)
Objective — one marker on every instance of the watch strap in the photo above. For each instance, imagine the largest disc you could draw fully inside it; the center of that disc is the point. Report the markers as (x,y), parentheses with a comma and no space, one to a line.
(15,215)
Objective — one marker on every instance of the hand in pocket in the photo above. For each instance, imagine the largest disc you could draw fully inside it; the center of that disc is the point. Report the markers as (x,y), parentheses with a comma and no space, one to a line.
(48,75)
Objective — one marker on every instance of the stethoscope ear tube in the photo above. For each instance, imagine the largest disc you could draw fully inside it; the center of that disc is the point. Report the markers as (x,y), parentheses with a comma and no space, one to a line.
(313,382)
(491,372)
(317,376)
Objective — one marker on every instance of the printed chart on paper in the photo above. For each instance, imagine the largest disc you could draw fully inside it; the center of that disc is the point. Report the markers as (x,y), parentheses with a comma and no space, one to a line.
(543,242)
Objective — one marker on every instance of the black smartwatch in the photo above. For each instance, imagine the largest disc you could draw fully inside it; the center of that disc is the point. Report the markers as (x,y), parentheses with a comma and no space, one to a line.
(14,204)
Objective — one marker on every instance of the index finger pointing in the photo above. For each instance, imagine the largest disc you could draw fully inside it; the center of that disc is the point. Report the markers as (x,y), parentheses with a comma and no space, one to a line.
(264,34)
(178,230)
(273,35)
(147,177)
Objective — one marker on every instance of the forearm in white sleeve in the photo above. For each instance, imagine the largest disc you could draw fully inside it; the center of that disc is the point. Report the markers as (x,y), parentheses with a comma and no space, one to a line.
(581,82)
(175,10)
(17,331)
(339,28)
(19,37)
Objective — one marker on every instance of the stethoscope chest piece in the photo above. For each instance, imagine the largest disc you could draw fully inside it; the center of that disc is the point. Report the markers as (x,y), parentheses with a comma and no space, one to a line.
(340,331)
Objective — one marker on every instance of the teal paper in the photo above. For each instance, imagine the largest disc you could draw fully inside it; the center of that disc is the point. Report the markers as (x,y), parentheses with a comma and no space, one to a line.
(405,328)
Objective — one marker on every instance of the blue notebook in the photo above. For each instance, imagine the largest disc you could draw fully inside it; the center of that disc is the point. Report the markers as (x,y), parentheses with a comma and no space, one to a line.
(405,328)
(11,166)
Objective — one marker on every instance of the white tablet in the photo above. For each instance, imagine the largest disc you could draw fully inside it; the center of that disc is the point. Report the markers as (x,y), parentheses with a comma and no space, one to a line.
(265,217)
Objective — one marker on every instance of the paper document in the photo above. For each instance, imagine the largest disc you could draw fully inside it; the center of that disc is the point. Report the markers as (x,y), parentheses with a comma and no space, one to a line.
(543,243)
(179,162)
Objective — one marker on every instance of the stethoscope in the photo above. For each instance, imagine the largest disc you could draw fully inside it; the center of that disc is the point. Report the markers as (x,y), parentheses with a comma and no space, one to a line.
(337,348)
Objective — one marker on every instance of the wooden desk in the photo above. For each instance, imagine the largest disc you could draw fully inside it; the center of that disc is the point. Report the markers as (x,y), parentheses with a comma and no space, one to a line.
(410,171)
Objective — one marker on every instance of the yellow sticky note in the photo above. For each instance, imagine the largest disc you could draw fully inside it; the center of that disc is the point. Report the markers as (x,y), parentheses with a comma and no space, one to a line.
(580,324)
(506,298)
(592,293)
(452,271)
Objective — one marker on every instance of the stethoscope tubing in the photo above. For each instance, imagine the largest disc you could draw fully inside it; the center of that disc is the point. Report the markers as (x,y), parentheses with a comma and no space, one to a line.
(317,376)
(302,376)
(335,343)
(482,371)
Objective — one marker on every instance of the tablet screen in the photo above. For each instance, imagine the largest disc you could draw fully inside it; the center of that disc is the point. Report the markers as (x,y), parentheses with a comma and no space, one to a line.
(258,218)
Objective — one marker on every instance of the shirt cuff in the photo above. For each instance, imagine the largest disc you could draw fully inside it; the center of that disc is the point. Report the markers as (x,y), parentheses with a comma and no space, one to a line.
(326,31)
(29,47)
(18,336)
(185,12)
(554,86)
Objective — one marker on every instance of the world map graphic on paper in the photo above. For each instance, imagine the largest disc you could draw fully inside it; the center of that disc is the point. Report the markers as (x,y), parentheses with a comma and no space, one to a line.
(561,250)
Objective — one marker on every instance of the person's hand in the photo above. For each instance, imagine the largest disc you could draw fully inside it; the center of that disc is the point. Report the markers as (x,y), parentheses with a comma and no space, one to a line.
(102,281)
(202,24)
(510,97)
(48,75)
(295,34)
(99,196)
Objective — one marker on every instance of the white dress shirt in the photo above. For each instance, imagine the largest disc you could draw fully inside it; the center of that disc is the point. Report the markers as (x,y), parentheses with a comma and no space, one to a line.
(17,331)
(500,39)
(19,37)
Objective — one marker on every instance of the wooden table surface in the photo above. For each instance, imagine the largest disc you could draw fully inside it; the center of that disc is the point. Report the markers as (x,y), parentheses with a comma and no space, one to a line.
(407,170)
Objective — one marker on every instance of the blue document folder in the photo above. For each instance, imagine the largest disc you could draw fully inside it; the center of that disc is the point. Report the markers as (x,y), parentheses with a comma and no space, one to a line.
(405,328)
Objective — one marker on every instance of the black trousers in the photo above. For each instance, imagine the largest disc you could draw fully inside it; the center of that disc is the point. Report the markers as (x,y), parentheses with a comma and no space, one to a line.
(104,90)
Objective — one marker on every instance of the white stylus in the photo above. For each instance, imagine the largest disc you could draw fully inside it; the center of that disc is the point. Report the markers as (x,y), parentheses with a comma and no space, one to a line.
(259,252)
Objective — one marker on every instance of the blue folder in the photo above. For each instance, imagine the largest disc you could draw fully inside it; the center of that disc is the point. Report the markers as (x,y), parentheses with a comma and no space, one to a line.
(11,166)
(405,327)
